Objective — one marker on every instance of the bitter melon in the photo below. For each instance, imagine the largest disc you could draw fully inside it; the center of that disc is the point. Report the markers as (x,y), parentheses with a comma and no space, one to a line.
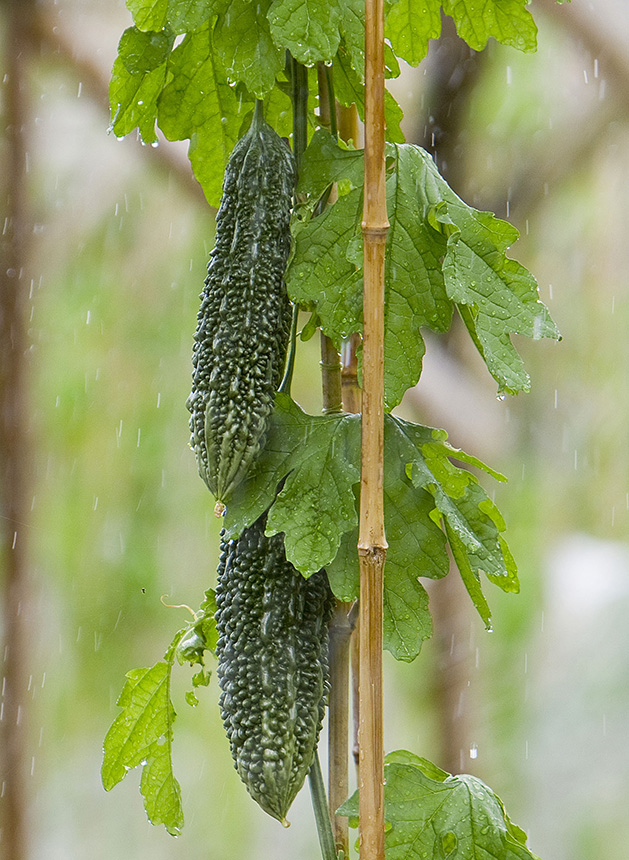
(243,324)
(272,664)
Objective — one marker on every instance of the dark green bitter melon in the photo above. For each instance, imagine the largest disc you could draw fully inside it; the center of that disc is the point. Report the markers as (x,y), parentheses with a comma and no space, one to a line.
(272,664)
(243,324)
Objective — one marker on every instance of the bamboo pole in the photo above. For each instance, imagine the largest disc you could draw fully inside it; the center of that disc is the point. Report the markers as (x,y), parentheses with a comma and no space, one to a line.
(372,543)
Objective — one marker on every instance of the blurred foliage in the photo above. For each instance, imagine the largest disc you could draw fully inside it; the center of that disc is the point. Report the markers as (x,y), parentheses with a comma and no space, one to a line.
(120,516)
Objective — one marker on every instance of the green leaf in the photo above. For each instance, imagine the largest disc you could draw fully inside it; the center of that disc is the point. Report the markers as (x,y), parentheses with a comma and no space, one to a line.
(245,47)
(144,52)
(353,31)
(349,89)
(416,548)
(439,252)
(309,29)
(201,635)
(199,104)
(187,15)
(409,26)
(148,14)
(500,296)
(472,523)
(315,506)
(327,160)
(314,463)
(446,816)
(143,734)
(320,274)
(133,95)
(507,21)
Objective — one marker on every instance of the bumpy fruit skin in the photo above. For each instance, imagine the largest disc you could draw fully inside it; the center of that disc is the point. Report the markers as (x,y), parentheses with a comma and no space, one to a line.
(243,325)
(272,664)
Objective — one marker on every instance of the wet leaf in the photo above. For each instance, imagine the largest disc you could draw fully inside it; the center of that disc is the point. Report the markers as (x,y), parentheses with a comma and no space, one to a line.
(309,29)
(199,104)
(245,46)
(433,814)
(143,734)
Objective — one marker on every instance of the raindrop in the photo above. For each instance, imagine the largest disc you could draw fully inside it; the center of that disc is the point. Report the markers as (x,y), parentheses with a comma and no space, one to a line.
(585,75)
(502,396)
(155,144)
(78,95)
(596,67)
(556,396)
(473,751)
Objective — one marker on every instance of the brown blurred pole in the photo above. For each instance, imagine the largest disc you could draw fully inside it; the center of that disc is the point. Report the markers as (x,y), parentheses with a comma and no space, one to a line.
(13,432)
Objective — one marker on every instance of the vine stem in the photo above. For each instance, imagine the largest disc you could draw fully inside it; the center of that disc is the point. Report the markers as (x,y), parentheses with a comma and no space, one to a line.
(320,806)
(372,543)
(299,99)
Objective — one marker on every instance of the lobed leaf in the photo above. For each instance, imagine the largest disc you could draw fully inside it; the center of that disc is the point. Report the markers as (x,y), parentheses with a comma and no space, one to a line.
(143,734)
(307,477)
(246,47)
(309,29)
(433,814)
(199,104)
(441,253)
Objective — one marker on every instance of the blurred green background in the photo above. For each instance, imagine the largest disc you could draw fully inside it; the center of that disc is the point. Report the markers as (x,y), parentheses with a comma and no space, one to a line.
(119,245)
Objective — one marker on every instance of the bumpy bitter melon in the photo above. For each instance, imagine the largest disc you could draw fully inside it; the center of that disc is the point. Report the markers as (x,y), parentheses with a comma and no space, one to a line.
(243,324)
(272,664)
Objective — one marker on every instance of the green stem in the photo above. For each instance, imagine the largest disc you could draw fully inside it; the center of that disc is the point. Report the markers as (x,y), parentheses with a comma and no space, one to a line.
(299,98)
(320,807)
(331,99)
(292,349)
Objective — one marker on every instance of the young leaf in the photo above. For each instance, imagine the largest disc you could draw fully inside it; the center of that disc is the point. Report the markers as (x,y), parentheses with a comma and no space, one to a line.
(245,47)
(433,814)
(143,734)
(309,29)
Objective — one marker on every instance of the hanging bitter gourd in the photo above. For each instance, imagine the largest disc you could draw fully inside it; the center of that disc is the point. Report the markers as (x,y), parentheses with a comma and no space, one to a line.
(243,324)
(272,664)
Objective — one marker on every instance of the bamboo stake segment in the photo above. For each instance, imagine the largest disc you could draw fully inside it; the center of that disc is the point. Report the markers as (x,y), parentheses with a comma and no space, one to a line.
(372,543)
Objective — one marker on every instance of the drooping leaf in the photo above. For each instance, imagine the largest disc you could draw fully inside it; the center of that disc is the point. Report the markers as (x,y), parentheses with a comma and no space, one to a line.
(137,79)
(142,734)
(245,46)
(143,52)
(309,29)
(317,458)
(307,475)
(411,23)
(199,104)
(471,521)
(507,21)
(433,814)
(409,26)
(499,295)
(440,252)
(349,89)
